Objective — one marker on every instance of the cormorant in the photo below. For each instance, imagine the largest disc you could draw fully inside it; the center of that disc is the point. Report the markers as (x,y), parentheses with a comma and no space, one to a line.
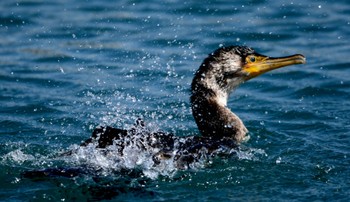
(218,75)
(221,130)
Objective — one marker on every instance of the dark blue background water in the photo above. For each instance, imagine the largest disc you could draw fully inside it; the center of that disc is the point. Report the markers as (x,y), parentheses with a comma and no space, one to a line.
(66,67)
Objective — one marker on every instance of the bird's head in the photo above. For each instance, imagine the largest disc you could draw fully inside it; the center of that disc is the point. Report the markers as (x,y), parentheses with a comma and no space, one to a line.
(228,67)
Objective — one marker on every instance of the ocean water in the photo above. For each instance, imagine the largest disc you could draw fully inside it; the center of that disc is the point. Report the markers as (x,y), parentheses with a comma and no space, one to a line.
(67,67)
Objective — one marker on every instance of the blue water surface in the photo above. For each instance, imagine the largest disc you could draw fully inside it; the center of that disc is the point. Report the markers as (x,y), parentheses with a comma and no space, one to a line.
(69,66)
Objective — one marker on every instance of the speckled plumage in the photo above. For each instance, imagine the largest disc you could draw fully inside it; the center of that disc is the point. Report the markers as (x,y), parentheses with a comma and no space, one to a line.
(219,74)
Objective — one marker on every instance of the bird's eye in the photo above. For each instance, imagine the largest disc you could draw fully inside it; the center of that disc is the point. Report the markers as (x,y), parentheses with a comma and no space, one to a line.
(252,59)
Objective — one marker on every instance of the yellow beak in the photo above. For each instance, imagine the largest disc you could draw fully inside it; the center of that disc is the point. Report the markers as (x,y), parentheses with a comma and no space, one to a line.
(262,64)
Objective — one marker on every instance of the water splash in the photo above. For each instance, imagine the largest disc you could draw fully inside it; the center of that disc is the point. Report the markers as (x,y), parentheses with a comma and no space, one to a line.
(17,156)
(156,154)
(143,151)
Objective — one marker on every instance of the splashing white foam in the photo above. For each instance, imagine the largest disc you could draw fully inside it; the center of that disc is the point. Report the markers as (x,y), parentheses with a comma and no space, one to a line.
(17,156)
(137,153)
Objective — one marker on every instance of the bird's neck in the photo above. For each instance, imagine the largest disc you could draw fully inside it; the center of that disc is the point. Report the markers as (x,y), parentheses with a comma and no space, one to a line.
(212,116)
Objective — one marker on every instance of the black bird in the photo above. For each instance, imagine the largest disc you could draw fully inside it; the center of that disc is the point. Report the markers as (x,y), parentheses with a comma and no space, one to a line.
(221,130)
(218,75)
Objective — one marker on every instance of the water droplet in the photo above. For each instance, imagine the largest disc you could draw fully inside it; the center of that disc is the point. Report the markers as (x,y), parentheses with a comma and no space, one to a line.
(278,160)
(61,69)
(16,180)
